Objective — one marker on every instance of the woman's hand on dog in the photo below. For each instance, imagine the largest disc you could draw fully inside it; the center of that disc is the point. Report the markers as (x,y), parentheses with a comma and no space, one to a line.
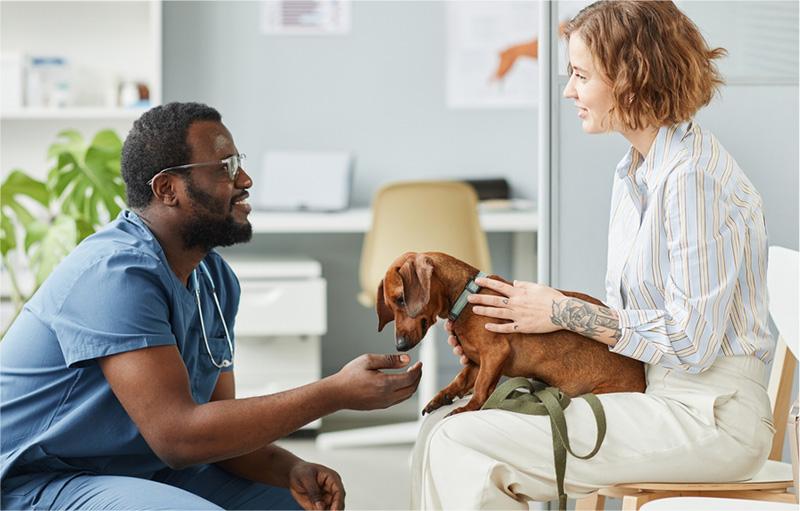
(526,307)
(452,340)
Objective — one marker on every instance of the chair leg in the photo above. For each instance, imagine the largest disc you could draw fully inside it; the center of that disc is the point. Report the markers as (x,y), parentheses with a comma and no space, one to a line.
(594,502)
(633,502)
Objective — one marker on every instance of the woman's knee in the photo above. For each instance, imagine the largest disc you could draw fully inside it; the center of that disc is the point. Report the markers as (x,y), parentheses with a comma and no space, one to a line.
(460,440)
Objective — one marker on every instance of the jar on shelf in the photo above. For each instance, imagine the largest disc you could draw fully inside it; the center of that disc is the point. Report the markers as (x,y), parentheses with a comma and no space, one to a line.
(133,94)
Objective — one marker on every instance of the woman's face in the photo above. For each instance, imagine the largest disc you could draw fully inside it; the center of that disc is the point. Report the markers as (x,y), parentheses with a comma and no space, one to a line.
(592,94)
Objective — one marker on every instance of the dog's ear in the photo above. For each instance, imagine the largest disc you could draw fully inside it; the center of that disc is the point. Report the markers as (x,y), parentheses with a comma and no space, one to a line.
(416,275)
(385,313)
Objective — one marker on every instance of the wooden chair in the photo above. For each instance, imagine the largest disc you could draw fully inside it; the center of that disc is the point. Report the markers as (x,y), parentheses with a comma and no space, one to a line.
(775,478)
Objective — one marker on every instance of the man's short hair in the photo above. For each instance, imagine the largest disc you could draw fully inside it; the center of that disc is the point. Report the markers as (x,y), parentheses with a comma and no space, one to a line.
(157,141)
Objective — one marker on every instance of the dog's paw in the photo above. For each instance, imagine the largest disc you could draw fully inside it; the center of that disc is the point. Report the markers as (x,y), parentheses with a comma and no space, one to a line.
(430,407)
(441,399)
(460,409)
(469,407)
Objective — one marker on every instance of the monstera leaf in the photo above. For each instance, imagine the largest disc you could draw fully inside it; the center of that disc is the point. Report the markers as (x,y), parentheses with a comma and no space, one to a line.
(82,192)
(18,184)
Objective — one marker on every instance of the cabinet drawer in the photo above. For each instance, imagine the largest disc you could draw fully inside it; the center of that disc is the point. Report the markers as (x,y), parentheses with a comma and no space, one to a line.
(282,307)
(266,365)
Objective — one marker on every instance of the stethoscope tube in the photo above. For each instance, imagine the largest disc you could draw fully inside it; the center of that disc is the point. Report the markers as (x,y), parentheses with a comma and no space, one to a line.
(204,269)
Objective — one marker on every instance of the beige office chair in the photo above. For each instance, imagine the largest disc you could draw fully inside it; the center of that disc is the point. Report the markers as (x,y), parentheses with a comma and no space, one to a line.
(775,478)
(421,216)
(418,216)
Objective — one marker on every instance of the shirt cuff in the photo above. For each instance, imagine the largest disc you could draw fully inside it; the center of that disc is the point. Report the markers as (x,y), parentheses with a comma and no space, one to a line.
(629,320)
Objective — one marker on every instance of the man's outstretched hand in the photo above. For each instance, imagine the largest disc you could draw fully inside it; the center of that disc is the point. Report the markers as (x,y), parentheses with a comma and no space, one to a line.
(363,386)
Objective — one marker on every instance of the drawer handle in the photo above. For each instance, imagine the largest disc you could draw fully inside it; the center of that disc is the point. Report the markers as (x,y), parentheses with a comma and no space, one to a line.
(263,299)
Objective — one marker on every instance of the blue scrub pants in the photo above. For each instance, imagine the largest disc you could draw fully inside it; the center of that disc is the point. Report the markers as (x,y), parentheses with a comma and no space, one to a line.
(198,488)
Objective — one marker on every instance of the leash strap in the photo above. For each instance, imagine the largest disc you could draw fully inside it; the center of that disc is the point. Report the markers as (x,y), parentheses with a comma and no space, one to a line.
(538,399)
(471,288)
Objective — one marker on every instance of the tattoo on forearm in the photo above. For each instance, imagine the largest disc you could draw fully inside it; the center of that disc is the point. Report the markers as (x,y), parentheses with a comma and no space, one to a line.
(586,319)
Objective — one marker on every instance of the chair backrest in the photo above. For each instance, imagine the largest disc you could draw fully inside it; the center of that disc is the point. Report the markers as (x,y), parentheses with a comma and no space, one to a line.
(783,282)
(421,216)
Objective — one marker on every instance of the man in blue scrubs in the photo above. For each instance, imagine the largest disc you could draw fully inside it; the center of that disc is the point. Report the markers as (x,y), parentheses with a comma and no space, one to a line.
(117,381)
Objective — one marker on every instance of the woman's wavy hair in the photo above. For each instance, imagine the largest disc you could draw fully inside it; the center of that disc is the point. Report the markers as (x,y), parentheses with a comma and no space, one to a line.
(660,67)
(157,141)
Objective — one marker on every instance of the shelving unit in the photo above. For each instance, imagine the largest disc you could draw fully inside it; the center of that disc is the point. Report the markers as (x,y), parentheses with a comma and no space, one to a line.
(68,113)
(104,42)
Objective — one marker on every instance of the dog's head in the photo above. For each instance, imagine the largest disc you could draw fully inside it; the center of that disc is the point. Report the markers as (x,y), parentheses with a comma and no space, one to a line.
(405,296)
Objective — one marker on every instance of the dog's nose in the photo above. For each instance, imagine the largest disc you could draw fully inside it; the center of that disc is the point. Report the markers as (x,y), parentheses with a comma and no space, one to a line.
(402,344)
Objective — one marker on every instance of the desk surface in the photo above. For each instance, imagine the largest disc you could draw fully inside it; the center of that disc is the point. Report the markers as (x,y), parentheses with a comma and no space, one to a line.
(360,219)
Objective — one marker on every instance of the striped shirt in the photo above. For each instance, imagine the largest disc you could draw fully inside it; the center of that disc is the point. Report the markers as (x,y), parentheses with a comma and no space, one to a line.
(687,254)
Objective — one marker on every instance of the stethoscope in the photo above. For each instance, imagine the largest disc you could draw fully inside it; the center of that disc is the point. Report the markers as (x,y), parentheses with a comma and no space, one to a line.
(204,269)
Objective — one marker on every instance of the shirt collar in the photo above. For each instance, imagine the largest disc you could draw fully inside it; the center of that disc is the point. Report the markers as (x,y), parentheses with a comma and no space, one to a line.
(645,171)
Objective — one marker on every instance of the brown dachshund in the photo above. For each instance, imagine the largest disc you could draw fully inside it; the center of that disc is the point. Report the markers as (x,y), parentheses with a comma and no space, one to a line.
(419,287)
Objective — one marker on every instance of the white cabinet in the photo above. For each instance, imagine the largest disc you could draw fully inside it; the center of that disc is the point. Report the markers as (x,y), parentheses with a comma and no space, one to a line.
(282,317)
(280,297)
(104,44)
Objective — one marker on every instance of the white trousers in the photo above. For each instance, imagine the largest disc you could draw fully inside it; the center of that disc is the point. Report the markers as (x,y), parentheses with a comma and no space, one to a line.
(714,426)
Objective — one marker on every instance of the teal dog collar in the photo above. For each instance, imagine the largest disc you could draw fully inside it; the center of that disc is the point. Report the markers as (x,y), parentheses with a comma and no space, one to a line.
(471,288)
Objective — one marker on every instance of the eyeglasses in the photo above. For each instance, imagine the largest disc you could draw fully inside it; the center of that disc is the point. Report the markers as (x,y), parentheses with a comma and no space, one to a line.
(232,164)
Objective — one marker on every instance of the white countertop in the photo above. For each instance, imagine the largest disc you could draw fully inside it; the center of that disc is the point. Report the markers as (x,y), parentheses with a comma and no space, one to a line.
(360,219)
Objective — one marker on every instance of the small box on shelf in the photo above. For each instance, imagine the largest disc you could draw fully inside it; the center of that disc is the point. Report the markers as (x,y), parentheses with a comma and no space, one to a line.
(11,87)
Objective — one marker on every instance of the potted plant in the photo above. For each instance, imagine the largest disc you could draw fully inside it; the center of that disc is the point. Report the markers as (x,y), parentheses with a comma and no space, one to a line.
(42,221)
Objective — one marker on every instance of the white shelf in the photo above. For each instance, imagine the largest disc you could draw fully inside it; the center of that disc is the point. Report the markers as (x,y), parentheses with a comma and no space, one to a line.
(349,220)
(92,113)
(358,220)
(103,43)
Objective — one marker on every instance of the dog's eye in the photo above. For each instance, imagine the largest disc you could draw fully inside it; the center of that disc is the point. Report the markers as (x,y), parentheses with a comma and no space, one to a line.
(401,301)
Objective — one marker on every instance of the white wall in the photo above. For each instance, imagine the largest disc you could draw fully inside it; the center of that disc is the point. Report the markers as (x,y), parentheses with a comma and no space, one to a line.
(379,92)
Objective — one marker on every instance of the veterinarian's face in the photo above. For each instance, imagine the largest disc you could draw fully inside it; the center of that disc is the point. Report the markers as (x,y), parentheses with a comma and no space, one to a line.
(589,89)
(219,205)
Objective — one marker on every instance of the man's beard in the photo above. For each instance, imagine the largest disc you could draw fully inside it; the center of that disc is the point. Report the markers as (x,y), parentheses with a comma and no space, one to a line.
(206,230)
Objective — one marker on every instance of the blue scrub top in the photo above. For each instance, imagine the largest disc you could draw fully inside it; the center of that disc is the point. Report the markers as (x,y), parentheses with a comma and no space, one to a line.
(114,293)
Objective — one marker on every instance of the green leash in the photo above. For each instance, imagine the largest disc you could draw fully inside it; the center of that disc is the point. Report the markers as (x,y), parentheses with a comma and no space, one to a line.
(542,400)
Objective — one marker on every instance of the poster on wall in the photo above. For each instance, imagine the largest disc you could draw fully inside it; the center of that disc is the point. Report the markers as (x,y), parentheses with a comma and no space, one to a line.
(762,38)
(305,17)
(492,54)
